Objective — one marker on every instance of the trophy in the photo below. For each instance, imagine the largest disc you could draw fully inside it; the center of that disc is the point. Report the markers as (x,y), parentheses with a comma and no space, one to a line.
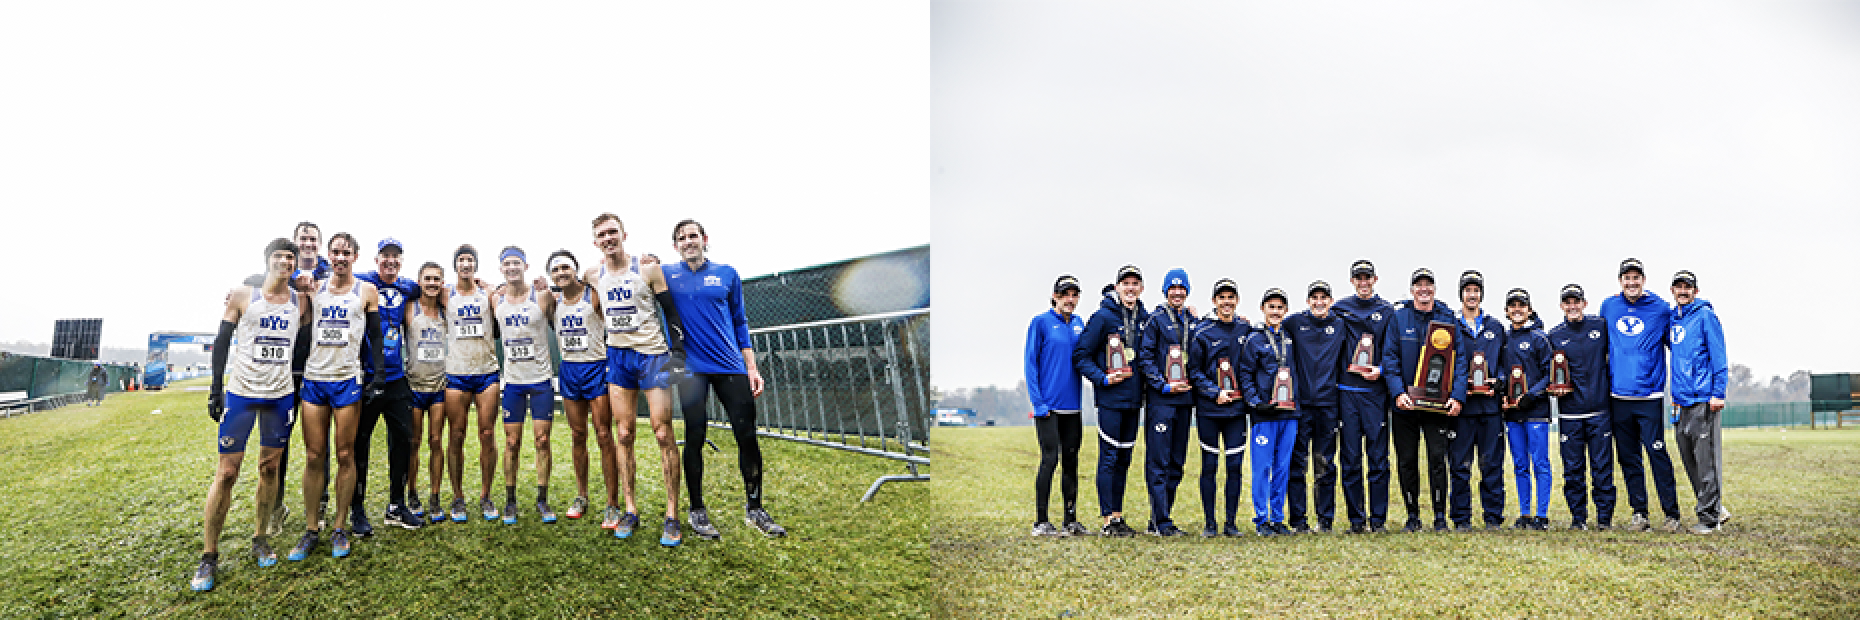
(1176,369)
(1559,374)
(1282,389)
(1225,379)
(1115,359)
(1362,362)
(1431,389)
(1476,375)
(1514,387)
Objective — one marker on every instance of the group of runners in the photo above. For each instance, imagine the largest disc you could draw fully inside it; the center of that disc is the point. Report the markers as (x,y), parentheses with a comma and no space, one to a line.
(349,349)
(1334,381)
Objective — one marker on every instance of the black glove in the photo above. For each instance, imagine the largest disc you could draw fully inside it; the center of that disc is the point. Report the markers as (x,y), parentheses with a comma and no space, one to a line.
(216,404)
(1524,402)
(374,390)
(675,363)
(1265,407)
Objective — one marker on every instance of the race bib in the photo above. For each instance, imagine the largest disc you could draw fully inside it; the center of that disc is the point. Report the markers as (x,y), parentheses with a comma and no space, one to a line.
(574,340)
(332,333)
(430,351)
(271,350)
(519,350)
(620,320)
(471,328)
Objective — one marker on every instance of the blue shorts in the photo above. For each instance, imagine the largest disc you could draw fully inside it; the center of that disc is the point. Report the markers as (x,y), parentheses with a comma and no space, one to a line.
(471,384)
(582,380)
(426,400)
(535,398)
(633,370)
(273,416)
(331,393)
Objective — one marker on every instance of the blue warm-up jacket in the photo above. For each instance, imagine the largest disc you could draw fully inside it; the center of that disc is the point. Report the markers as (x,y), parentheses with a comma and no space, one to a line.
(1165,327)
(1362,315)
(1586,344)
(1487,337)
(1088,355)
(1528,347)
(1700,368)
(1052,381)
(1215,340)
(1258,366)
(1401,352)
(1637,348)
(1318,364)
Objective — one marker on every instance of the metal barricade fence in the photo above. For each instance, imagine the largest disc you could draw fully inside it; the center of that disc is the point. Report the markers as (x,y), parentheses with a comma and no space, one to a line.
(32,383)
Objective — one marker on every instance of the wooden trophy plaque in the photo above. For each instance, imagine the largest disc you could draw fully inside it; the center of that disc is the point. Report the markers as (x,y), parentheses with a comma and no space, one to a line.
(1362,361)
(1514,387)
(1176,370)
(1559,374)
(1282,389)
(1476,375)
(1431,389)
(1116,359)
(1224,379)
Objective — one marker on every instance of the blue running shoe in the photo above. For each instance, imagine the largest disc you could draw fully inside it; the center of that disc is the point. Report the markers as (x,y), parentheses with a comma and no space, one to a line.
(414,507)
(304,546)
(547,513)
(203,576)
(672,535)
(458,510)
(628,522)
(510,513)
(261,550)
(339,544)
(488,509)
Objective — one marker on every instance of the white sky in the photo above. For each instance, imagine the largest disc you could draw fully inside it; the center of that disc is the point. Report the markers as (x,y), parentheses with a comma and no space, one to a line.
(1540,143)
(148,151)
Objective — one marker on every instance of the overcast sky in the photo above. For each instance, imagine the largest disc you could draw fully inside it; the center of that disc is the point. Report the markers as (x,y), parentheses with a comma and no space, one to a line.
(148,151)
(1540,143)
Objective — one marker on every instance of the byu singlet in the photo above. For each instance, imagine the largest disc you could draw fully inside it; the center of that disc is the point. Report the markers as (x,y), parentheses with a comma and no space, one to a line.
(526,341)
(266,335)
(336,335)
(469,347)
(575,328)
(631,316)
(426,354)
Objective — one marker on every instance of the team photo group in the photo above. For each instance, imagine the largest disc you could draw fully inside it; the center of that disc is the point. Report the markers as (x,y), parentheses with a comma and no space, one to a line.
(1318,397)
(316,347)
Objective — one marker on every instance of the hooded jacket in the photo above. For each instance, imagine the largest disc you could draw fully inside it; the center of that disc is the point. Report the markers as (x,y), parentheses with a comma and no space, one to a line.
(1166,326)
(1487,338)
(1259,364)
(1637,344)
(1318,363)
(1214,340)
(1527,347)
(1401,351)
(1586,344)
(1052,381)
(1088,354)
(1700,369)
(1362,316)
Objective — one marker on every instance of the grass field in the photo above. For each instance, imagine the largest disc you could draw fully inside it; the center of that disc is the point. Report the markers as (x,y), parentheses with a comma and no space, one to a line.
(105,506)
(1792,550)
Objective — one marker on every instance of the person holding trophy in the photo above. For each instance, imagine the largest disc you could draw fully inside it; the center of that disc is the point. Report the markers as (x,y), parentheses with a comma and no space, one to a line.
(1579,381)
(1104,354)
(1527,418)
(1169,401)
(1363,402)
(1479,426)
(1266,380)
(1422,368)
(1220,405)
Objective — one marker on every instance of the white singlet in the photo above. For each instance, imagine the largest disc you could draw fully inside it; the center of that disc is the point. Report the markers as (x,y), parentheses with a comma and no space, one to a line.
(631,316)
(261,355)
(576,326)
(526,341)
(469,347)
(336,327)
(426,358)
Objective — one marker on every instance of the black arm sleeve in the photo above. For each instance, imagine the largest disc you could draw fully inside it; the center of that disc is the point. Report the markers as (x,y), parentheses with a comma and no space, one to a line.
(374,344)
(674,326)
(222,343)
(300,354)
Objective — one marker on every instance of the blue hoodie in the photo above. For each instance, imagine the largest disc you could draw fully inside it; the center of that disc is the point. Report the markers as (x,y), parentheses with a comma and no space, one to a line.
(1215,340)
(1700,368)
(1259,365)
(1088,354)
(1165,327)
(1360,316)
(1637,346)
(1318,364)
(1488,337)
(1528,347)
(1401,351)
(1052,381)
(1586,344)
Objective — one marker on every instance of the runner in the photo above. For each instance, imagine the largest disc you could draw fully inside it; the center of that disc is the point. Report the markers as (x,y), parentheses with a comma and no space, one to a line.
(522,318)
(583,383)
(426,378)
(471,379)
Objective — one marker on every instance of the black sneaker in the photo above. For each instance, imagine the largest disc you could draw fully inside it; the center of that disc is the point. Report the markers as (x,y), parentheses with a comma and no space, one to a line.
(1578,526)
(1457,527)
(1541,524)
(1357,528)
(1167,530)
(1378,528)
(403,517)
(760,519)
(1074,528)
(1440,525)
(1281,529)
(1209,531)
(1323,528)
(510,513)
(544,512)
(1265,530)
(358,522)
(1150,529)
(1412,526)
(700,525)
(1232,531)
(1301,528)
(1045,529)
(1117,528)
(1523,523)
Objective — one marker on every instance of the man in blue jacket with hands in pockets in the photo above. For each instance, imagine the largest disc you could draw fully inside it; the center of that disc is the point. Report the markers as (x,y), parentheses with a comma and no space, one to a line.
(1700,372)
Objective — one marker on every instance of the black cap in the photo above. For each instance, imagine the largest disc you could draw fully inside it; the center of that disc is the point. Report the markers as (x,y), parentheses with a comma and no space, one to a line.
(1470,278)
(1686,277)
(1572,291)
(1518,295)
(1226,284)
(1129,270)
(1319,285)
(1066,282)
(1362,268)
(1632,263)
(1274,292)
(1421,273)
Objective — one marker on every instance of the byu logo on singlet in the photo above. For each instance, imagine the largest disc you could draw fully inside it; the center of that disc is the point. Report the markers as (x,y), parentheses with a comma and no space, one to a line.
(1630,326)
(1679,334)
(619,294)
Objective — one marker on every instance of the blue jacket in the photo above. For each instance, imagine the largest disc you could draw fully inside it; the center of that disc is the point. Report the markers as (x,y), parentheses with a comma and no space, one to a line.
(1359,316)
(1088,354)
(1700,368)
(1528,347)
(1489,338)
(1401,351)
(395,297)
(1052,381)
(1165,327)
(1586,344)
(1258,366)
(1215,340)
(1637,348)
(1318,364)
(715,319)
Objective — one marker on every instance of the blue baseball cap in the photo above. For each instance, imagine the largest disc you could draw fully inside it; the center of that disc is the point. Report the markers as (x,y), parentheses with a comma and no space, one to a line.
(389,241)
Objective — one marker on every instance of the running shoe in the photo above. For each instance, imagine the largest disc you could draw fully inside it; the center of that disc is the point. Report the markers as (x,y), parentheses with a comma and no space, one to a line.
(1463,527)
(1279,526)
(1209,531)
(610,518)
(1672,525)
(1603,527)
(1578,525)
(1639,523)
(1440,525)
(762,521)
(339,544)
(1167,530)
(1301,528)
(1724,515)
(261,551)
(543,510)
(1542,524)
(415,508)
(1357,528)
(487,508)
(625,526)
(278,515)
(1231,531)
(458,510)
(358,522)
(1523,523)
(674,535)
(1074,528)
(1412,526)
(1703,529)
(700,525)
(510,513)
(404,517)
(304,546)
(1045,529)
(203,575)
(1265,530)
(1323,528)
(1117,528)
(1379,528)
(438,514)
(578,507)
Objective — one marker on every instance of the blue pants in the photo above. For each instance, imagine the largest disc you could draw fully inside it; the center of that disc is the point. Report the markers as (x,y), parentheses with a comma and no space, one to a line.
(1165,449)
(1222,439)
(1638,425)
(1117,435)
(1484,434)
(1530,462)
(1316,443)
(1588,446)
(1272,456)
(1364,418)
